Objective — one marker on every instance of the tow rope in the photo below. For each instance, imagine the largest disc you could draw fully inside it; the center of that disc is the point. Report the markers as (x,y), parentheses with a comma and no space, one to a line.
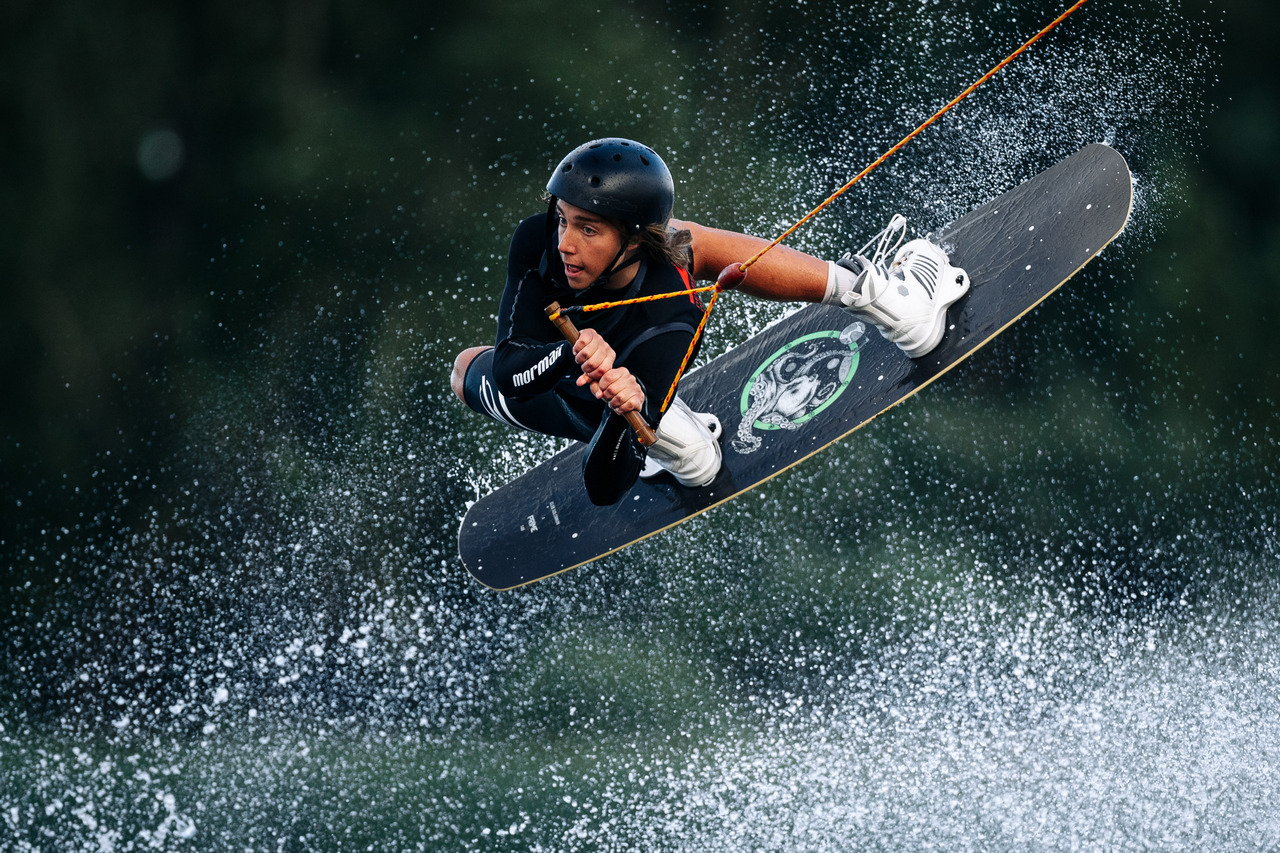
(733,275)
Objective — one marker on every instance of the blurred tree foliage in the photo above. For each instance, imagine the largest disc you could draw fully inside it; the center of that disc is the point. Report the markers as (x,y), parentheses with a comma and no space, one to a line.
(162,159)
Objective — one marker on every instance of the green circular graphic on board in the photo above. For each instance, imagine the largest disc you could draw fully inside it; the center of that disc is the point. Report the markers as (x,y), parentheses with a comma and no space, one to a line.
(800,380)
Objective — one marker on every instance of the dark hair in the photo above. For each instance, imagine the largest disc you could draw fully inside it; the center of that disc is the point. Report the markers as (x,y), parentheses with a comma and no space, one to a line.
(664,244)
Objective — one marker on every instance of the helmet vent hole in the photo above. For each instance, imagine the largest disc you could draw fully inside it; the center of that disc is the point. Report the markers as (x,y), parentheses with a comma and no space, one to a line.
(644,159)
(567,167)
(617,158)
(595,180)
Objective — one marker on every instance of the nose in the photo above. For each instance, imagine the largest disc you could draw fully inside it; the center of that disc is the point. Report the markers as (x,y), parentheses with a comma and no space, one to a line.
(564,245)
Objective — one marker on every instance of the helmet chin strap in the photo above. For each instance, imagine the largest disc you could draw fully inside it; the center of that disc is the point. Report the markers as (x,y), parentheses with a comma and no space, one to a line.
(612,268)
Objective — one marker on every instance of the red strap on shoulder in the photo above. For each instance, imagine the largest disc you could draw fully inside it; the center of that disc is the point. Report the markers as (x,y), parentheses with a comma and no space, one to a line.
(688,285)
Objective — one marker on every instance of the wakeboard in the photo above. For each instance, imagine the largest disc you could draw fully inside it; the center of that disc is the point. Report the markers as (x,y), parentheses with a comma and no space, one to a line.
(810,379)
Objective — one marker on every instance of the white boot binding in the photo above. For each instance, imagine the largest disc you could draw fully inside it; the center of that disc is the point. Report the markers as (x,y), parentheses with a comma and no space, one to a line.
(908,301)
(688,446)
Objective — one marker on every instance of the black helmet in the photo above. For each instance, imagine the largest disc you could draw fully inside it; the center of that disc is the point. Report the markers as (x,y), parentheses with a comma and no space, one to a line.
(617,178)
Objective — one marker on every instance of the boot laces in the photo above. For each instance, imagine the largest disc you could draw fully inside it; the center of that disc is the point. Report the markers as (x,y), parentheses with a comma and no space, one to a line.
(887,241)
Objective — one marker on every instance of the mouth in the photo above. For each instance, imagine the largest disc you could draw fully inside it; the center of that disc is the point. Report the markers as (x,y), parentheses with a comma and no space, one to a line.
(573,271)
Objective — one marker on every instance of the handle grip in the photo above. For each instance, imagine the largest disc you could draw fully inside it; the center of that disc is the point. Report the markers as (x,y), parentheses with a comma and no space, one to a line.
(635,420)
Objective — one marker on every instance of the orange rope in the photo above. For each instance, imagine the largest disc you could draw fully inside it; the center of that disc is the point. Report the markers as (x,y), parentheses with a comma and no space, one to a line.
(600,306)
(715,289)
(910,136)
(693,344)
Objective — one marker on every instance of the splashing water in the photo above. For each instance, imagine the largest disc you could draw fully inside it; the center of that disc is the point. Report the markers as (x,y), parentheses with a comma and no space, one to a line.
(1025,611)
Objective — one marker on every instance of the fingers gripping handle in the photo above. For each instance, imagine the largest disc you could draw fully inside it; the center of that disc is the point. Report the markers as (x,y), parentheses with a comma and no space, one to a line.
(644,434)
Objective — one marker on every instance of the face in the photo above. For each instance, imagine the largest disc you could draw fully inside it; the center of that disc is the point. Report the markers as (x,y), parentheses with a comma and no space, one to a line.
(587,244)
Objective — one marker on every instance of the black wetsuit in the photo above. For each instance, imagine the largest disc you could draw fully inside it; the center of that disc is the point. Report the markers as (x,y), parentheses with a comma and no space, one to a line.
(529,378)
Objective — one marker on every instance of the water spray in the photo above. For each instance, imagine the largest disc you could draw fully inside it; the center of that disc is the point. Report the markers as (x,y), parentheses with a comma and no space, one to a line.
(733,275)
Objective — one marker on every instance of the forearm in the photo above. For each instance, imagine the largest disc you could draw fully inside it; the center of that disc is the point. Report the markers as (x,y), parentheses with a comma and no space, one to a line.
(524,369)
(783,274)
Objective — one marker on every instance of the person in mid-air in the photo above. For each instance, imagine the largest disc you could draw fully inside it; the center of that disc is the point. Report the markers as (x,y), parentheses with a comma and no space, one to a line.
(607,235)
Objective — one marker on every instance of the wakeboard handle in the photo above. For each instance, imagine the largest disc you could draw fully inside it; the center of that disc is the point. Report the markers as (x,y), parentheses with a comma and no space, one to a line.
(635,420)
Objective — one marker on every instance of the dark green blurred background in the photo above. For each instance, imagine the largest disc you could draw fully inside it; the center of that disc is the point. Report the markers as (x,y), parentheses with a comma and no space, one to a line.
(241,244)
(175,175)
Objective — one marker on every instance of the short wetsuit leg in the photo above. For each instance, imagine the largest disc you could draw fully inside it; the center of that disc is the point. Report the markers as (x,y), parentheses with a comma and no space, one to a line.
(567,411)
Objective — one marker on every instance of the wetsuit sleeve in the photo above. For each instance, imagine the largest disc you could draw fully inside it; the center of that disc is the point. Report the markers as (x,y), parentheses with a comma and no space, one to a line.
(530,355)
